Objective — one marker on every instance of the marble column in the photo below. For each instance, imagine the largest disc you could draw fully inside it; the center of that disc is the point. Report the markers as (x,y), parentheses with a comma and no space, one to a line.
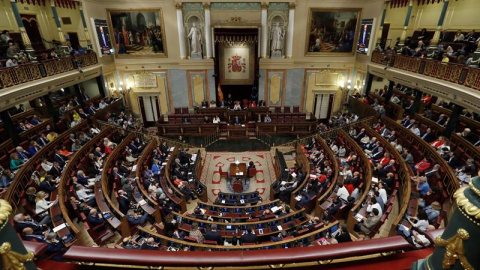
(291,20)
(436,36)
(84,24)
(208,30)
(181,32)
(57,22)
(23,32)
(407,21)
(380,29)
(263,51)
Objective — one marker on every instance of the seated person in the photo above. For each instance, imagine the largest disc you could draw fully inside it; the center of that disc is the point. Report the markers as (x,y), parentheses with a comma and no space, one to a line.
(216,119)
(94,218)
(237,121)
(248,236)
(136,219)
(267,119)
(237,106)
(368,223)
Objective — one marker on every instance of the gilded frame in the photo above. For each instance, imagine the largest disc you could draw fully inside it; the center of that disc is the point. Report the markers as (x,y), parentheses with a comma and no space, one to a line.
(162,29)
(308,52)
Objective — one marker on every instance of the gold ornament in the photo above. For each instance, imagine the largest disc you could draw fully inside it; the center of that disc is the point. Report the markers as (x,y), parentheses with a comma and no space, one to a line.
(464,204)
(12,260)
(454,249)
(5,211)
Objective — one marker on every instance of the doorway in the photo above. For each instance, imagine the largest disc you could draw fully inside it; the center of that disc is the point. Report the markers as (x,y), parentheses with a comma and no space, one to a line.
(73,38)
(322,106)
(383,38)
(150,109)
(30,23)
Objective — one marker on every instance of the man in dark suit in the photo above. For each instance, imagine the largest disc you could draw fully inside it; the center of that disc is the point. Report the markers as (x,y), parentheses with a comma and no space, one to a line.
(149,244)
(428,136)
(42,140)
(30,235)
(452,160)
(237,121)
(360,135)
(24,221)
(213,235)
(56,170)
(248,237)
(95,218)
(48,185)
(123,201)
(59,158)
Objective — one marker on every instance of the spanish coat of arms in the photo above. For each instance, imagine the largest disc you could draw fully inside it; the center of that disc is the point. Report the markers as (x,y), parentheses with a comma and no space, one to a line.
(237,63)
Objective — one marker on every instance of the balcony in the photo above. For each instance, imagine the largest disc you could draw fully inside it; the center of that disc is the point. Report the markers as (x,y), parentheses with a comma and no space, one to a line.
(450,72)
(21,74)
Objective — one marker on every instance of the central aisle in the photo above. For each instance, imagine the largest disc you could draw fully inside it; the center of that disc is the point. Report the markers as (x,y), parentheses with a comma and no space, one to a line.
(215,184)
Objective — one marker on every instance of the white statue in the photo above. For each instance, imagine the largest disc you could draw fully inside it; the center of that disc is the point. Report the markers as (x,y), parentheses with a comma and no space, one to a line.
(196,39)
(276,35)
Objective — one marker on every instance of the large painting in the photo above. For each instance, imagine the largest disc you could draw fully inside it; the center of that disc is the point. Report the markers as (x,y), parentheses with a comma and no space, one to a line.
(138,33)
(332,32)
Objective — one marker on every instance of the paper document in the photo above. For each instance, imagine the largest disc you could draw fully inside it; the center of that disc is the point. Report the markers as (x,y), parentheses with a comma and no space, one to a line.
(279,227)
(358,217)
(59,227)
(142,202)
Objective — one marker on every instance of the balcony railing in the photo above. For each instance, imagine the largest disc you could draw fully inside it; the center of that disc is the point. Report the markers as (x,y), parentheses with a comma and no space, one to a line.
(34,71)
(451,72)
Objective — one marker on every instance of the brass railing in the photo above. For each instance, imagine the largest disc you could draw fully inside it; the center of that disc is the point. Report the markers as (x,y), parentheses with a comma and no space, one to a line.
(34,71)
(451,72)
(264,137)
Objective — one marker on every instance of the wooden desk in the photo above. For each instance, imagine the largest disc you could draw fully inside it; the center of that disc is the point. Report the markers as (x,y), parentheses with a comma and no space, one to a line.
(103,207)
(238,171)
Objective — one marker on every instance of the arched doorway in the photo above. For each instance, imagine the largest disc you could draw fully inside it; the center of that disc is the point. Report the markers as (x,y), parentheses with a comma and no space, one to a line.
(30,23)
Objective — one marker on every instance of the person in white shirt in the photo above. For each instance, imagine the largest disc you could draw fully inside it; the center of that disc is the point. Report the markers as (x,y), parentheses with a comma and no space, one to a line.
(267,119)
(341,151)
(41,204)
(382,192)
(342,192)
(82,193)
(334,148)
(102,104)
(46,166)
(372,203)
(415,130)
(94,130)
(216,120)
(419,222)
(237,107)
(12,62)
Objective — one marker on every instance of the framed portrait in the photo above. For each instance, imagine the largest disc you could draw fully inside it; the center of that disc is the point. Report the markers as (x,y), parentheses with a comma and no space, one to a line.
(137,32)
(365,36)
(332,32)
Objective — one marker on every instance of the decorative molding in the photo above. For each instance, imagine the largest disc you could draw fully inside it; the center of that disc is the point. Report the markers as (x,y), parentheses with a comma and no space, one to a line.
(12,259)
(278,6)
(292,5)
(192,7)
(178,5)
(206,5)
(5,211)
(454,249)
(265,5)
(236,6)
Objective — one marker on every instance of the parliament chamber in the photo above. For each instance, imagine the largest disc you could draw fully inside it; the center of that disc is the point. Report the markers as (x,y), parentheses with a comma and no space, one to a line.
(288,134)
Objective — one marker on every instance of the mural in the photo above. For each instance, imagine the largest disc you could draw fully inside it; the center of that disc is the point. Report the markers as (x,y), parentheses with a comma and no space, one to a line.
(138,32)
(331,31)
